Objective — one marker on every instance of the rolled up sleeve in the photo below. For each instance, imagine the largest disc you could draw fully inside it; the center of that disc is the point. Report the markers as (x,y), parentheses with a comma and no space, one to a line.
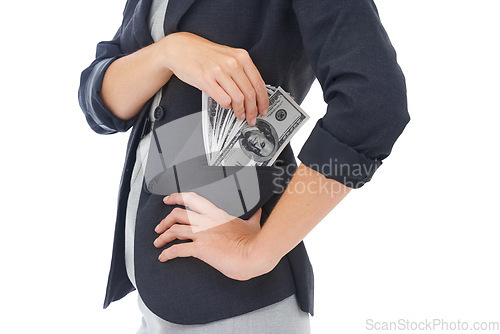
(363,85)
(98,116)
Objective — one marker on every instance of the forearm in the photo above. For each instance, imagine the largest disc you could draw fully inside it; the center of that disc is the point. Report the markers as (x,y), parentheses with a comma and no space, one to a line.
(309,197)
(131,81)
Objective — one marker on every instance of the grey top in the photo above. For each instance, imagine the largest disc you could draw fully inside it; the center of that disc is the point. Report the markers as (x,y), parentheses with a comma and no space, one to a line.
(155,22)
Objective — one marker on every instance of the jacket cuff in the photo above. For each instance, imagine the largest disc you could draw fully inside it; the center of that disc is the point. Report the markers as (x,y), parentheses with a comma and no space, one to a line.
(100,114)
(336,160)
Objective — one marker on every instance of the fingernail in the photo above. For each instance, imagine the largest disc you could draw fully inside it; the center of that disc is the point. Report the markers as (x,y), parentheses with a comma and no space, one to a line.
(165,198)
(157,228)
(253,121)
(155,242)
(242,116)
(159,257)
(264,113)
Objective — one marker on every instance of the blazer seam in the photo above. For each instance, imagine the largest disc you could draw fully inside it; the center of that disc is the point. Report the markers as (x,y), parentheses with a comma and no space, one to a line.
(294,57)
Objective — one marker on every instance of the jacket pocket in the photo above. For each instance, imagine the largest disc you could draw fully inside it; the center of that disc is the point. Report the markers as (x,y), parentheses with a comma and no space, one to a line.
(238,190)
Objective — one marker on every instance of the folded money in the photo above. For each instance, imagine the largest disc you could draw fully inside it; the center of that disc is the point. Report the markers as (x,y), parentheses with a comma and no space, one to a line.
(232,142)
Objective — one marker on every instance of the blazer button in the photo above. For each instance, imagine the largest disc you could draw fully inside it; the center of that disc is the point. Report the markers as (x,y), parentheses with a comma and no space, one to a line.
(158,113)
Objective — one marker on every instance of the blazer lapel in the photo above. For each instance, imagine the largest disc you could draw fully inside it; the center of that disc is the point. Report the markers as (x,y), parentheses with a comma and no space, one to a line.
(140,24)
(175,10)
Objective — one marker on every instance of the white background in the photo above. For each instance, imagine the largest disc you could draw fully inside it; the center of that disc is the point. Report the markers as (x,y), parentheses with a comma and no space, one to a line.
(420,241)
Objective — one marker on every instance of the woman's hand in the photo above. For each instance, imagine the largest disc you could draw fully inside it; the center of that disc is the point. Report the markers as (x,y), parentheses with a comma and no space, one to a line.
(227,74)
(223,241)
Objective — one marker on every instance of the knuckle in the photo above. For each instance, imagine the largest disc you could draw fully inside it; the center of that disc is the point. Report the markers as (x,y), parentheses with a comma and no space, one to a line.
(195,252)
(252,112)
(191,196)
(261,88)
(239,99)
(226,103)
(219,212)
(250,94)
(215,70)
(242,54)
(206,77)
(220,215)
(173,250)
(232,63)
(176,211)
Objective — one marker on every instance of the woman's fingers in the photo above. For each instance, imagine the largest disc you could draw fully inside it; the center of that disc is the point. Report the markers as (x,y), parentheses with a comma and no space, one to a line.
(207,214)
(248,94)
(251,87)
(231,88)
(191,199)
(177,231)
(178,215)
(258,84)
(179,250)
(213,89)
(238,77)
(234,66)
(261,96)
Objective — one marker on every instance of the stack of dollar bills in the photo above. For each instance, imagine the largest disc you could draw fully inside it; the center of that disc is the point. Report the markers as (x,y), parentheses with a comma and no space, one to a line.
(232,142)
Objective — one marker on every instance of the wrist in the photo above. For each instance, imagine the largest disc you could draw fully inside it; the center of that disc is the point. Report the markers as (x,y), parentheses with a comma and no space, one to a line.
(166,52)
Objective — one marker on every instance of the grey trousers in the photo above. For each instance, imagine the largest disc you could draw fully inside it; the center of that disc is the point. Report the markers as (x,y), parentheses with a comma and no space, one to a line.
(284,317)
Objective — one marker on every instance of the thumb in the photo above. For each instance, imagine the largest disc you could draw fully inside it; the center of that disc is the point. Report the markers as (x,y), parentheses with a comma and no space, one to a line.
(255,218)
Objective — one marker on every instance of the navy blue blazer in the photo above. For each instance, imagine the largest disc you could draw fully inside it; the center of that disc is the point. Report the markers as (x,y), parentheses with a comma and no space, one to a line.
(343,44)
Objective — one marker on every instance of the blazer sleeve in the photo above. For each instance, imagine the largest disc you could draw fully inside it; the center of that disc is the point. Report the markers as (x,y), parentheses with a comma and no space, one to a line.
(98,116)
(363,85)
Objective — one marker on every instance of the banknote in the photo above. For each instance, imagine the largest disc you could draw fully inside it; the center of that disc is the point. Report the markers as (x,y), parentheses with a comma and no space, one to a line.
(229,141)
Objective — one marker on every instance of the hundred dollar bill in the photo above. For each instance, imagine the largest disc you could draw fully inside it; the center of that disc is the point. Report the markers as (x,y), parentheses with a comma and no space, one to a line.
(261,144)
(219,125)
(208,114)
